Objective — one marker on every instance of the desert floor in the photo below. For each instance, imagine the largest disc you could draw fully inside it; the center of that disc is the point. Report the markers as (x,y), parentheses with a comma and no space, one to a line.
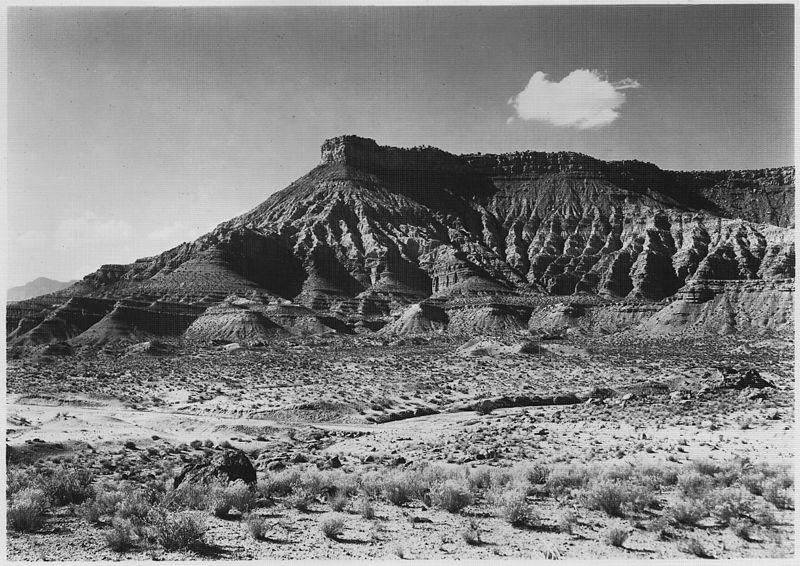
(645,403)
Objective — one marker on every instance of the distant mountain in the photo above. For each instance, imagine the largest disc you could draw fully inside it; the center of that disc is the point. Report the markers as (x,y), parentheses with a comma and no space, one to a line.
(39,286)
(373,230)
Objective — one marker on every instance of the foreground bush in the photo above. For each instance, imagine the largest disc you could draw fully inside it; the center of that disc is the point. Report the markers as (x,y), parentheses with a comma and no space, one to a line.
(65,486)
(222,499)
(179,531)
(332,525)
(617,498)
(516,510)
(563,479)
(400,487)
(27,509)
(452,495)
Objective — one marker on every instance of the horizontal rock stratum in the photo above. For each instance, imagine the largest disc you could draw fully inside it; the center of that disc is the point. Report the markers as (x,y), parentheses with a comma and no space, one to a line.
(484,241)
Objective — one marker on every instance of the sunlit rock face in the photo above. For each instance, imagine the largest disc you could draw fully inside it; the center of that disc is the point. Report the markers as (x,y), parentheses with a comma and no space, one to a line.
(373,230)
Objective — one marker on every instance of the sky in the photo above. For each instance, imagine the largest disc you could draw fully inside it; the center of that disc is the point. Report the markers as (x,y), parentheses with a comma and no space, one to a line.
(131,130)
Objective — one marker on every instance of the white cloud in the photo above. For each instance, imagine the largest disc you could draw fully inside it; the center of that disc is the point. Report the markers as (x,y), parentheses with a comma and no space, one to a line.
(583,99)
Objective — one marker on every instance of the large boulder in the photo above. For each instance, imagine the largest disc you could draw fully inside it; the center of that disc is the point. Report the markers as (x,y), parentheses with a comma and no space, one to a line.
(230,465)
(737,380)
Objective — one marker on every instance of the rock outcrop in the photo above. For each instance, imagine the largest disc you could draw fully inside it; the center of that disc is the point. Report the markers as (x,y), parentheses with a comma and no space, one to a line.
(375,230)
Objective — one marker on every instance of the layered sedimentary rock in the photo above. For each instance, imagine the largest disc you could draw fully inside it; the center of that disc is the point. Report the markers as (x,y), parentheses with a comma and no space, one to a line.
(374,230)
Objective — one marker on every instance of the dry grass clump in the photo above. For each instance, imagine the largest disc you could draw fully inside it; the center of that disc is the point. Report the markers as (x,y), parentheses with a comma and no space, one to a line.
(279,484)
(617,498)
(516,510)
(657,475)
(301,499)
(529,474)
(338,502)
(472,534)
(566,477)
(64,486)
(179,531)
(730,503)
(365,508)
(188,496)
(400,487)
(223,498)
(371,483)
(781,497)
(452,495)
(26,511)
(687,512)
(332,525)
(122,536)
(478,478)
(693,484)
(256,526)
(616,536)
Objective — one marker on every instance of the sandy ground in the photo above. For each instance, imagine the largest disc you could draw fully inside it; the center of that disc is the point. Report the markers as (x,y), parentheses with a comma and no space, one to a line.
(84,410)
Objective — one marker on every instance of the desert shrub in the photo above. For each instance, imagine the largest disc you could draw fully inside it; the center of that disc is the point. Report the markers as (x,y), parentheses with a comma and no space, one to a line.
(614,472)
(706,467)
(188,495)
(550,552)
(365,508)
(452,495)
(657,475)
(122,536)
(516,510)
(608,496)
(478,478)
(332,525)
(226,445)
(178,531)
(753,482)
(371,483)
(26,511)
(687,512)
(567,521)
(256,526)
(222,499)
(529,474)
(278,484)
(500,477)
(616,536)
(338,502)
(301,499)
(566,477)
(780,497)
(134,505)
(730,503)
(431,475)
(694,484)
(329,482)
(617,498)
(472,534)
(400,487)
(103,505)
(65,486)
(19,479)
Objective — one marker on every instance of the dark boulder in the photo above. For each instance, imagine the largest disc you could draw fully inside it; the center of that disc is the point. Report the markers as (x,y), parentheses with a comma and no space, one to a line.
(230,465)
(751,379)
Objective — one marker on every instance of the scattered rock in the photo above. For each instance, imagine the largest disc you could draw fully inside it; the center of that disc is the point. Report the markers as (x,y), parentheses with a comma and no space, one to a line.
(230,465)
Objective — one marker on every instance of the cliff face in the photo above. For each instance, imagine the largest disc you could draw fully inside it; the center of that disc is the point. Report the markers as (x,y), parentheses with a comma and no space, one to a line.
(373,228)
